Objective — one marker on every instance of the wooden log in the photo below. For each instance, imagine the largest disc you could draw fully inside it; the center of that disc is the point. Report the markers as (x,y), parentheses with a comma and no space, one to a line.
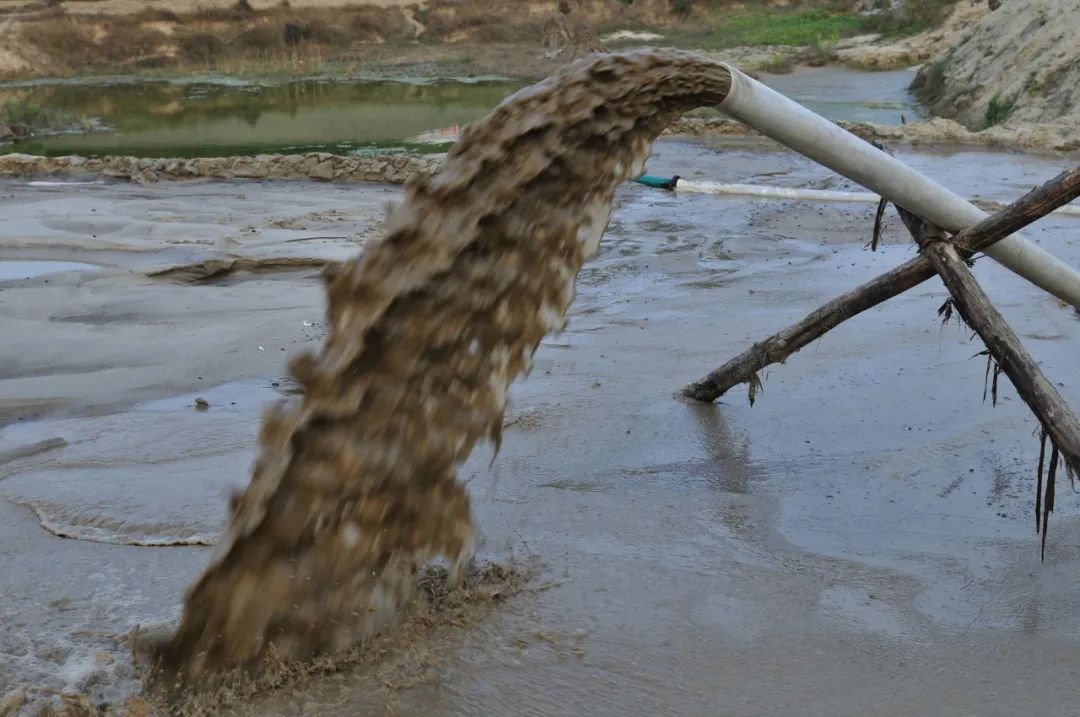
(1057,419)
(744,368)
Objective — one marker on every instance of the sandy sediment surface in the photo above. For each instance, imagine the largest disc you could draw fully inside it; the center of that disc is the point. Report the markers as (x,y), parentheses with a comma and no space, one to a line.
(861,540)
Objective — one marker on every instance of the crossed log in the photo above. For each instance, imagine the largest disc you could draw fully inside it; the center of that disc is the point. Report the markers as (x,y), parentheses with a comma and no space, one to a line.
(949,258)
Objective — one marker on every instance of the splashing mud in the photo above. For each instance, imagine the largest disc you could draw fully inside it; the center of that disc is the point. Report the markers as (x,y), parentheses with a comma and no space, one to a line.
(355,483)
(399,656)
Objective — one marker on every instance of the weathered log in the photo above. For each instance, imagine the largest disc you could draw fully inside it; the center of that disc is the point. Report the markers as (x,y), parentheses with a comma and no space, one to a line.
(1057,419)
(744,368)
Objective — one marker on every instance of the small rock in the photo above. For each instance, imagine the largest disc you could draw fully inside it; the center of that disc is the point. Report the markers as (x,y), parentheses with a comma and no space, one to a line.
(201,404)
(323,170)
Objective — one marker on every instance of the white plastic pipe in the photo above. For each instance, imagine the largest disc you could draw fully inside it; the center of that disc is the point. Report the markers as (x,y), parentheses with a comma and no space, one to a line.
(791,124)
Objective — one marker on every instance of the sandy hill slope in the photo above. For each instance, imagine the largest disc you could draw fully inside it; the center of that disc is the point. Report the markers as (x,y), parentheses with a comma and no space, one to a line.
(1020,63)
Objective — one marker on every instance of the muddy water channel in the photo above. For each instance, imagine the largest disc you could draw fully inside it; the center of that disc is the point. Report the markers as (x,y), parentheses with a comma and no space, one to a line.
(213,117)
(859,542)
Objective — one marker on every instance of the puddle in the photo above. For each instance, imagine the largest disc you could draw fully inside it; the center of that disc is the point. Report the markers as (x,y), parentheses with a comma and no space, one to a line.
(18,270)
(158,119)
(100,478)
(216,118)
(851,95)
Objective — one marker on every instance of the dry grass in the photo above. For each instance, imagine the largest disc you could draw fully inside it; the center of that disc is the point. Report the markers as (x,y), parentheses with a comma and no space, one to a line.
(262,38)
(123,44)
(65,38)
(379,25)
(201,48)
(157,15)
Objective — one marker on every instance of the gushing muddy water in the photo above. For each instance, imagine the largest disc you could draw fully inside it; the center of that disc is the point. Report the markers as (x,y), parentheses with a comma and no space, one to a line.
(859,542)
(355,484)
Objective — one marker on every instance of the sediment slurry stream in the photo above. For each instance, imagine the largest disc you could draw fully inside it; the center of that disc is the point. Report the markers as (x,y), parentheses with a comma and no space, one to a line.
(355,483)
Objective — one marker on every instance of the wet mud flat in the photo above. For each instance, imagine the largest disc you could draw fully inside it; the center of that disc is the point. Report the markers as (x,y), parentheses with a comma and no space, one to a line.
(860,541)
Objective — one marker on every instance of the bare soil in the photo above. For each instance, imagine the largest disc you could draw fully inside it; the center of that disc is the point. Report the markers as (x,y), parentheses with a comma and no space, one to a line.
(1018,64)
(39,39)
(859,541)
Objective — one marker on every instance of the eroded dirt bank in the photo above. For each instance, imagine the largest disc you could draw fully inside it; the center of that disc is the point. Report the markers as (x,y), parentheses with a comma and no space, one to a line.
(711,556)
(884,54)
(1019,64)
(389,169)
(63,38)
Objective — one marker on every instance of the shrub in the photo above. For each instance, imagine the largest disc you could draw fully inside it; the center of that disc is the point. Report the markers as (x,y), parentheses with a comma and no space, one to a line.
(262,37)
(682,8)
(65,41)
(374,24)
(325,32)
(202,47)
(26,118)
(157,15)
(929,84)
(241,10)
(912,17)
(998,111)
(123,42)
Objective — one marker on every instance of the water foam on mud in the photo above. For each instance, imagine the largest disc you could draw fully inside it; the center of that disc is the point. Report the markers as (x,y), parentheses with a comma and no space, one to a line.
(355,483)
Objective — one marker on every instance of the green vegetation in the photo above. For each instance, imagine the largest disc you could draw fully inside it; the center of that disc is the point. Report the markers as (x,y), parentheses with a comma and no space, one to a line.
(913,17)
(30,118)
(998,111)
(792,28)
(929,84)
(780,64)
(819,26)
(682,8)
(16,112)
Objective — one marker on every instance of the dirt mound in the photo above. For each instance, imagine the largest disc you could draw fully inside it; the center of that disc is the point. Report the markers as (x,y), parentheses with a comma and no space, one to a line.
(1019,64)
(914,50)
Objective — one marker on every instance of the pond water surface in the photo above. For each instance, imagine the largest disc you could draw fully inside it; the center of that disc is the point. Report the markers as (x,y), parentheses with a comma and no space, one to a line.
(223,116)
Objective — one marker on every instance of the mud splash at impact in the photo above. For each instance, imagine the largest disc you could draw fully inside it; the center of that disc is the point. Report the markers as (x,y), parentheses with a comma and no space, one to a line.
(355,484)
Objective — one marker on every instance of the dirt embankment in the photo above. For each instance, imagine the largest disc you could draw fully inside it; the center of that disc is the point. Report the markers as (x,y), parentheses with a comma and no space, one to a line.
(880,54)
(388,169)
(1019,64)
(49,38)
